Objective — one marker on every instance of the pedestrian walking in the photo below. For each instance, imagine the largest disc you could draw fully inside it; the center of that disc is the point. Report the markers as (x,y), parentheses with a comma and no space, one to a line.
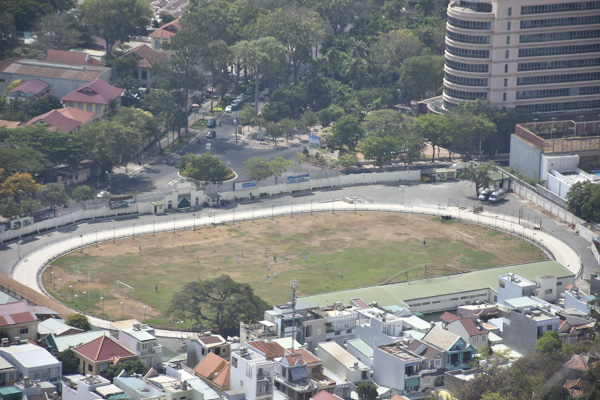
(269,280)
(237,258)
(274,274)
(214,249)
(198,259)
(424,243)
(274,258)
(341,274)
(156,288)
(219,264)
(269,267)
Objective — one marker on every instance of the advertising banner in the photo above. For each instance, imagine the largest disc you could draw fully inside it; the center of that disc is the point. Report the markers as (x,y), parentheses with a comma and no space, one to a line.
(245,185)
(298,178)
(314,141)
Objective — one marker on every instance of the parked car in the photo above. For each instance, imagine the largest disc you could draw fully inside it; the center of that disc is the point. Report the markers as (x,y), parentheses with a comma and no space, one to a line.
(485,194)
(211,134)
(497,196)
(229,108)
(103,194)
(212,123)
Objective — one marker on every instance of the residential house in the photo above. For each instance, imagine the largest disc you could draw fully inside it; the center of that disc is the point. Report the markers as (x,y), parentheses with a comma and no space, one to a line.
(62,78)
(90,387)
(340,323)
(523,329)
(141,340)
(432,368)
(361,351)
(578,388)
(252,373)
(324,395)
(146,58)
(56,326)
(292,374)
(93,96)
(481,311)
(576,366)
(95,356)
(511,286)
(378,327)
(198,347)
(215,371)
(305,323)
(9,124)
(67,119)
(18,321)
(470,329)
(396,367)
(33,362)
(164,34)
(575,298)
(29,91)
(8,373)
(138,388)
(64,342)
(263,330)
(457,352)
(71,58)
(342,363)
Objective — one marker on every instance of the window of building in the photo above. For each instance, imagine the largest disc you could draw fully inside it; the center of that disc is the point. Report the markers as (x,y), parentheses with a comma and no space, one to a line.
(503,96)
(471,25)
(98,108)
(501,284)
(89,107)
(505,82)
(483,68)
(551,79)
(144,74)
(560,64)
(558,50)
(318,331)
(464,81)
(477,6)
(566,106)
(509,11)
(23,331)
(559,8)
(90,368)
(558,36)
(375,342)
(459,37)
(508,26)
(508,40)
(505,68)
(548,291)
(569,21)
(136,74)
(507,54)
(234,362)
(308,331)
(559,283)
(157,44)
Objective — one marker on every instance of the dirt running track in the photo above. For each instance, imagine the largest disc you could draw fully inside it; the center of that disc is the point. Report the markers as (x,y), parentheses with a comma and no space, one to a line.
(20,291)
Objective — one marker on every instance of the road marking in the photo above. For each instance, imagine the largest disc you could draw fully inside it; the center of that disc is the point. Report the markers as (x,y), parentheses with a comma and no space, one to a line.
(174,181)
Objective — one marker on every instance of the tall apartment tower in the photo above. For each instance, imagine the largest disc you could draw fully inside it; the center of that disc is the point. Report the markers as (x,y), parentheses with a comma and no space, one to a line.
(537,55)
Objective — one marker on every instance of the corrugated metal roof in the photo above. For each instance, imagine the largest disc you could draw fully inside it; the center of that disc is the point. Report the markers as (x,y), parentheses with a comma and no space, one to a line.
(441,338)
(58,71)
(361,346)
(29,355)
(398,293)
(340,354)
(15,313)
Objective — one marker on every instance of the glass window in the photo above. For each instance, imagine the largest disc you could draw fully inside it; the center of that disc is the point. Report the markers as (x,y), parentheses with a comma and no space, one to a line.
(483,68)
(560,64)
(509,11)
(89,107)
(472,25)
(569,21)
(558,8)
(144,74)
(508,40)
(558,50)
(507,54)
(508,24)
(545,93)
(566,106)
(459,37)
(468,53)
(505,82)
(565,78)
(503,96)
(557,36)
(157,44)
(505,68)
(477,6)
(458,94)
(460,80)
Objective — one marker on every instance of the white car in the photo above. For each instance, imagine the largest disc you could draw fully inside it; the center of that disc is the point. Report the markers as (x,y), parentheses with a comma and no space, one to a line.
(229,109)
(103,194)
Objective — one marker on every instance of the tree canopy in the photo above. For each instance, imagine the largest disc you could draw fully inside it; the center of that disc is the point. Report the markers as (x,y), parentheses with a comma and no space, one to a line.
(583,200)
(221,302)
(79,321)
(204,168)
(479,175)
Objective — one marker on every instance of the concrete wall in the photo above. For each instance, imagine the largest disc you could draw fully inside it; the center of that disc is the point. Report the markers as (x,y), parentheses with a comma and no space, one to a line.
(524,157)
(560,163)
(558,184)
(449,301)
(388,370)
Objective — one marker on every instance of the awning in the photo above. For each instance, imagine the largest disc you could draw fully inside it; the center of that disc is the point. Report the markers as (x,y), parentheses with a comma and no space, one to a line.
(268,324)
(213,196)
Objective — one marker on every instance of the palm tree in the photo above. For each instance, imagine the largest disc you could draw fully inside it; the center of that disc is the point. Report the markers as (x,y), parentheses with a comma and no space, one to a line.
(111,109)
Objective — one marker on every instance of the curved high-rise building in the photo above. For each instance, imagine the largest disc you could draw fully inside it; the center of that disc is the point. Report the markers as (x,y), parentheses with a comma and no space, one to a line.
(539,55)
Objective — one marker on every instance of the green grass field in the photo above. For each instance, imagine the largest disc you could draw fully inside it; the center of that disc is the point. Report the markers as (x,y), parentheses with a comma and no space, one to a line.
(368,248)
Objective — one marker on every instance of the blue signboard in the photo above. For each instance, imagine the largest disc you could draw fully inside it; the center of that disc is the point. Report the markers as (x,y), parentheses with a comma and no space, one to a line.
(298,178)
(245,185)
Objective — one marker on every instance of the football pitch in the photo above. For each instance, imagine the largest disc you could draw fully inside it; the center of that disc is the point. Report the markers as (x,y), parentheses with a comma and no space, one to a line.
(324,252)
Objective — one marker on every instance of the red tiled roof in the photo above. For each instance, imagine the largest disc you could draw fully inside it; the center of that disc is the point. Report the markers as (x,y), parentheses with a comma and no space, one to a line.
(577,387)
(71,57)
(428,351)
(577,362)
(269,349)
(325,395)
(211,339)
(167,30)
(64,119)
(358,302)
(35,86)
(302,356)
(398,397)
(145,56)
(449,317)
(95,92)
(224,377)
(9,124)
(471,327)
(215,369)
(103,349)
(15,313)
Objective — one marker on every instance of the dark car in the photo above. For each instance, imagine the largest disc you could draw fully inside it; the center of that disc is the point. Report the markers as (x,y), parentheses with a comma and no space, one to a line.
(212,123)
(211,134)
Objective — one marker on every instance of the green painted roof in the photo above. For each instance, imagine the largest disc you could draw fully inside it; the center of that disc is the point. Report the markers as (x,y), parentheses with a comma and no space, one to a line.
(396,294)
(361,346)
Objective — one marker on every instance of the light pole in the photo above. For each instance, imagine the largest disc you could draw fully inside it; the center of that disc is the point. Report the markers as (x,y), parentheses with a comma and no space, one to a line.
(19,248)
(194,228)
(52,280)
(252,214)
(109,180)
(133,231)
(235,122)
(81,245)
(71,287)
(96,238)
(84,293)
(60,281)
(291,209)
(153,227)
(102,300)
(122,309)
(402,191)
(145,307)
(173,225)
(114,233)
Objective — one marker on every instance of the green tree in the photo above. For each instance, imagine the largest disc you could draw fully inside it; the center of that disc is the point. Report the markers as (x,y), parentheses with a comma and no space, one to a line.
(248,115)
(549,343)
(339,13)
(221,302)
(468,133)
(393,47)
(379,148)
(279,165)
(366,391)
(109,143)
(479,175)
(258,168)
(52,195)
(493,396)
(115,20)
(22,159)
(347,131)
(82,193)
(130,366)
(57,31)
(69,363)
(27,13)
(205,168)
(79,321)
(421,74)
(8,39)
(435,128)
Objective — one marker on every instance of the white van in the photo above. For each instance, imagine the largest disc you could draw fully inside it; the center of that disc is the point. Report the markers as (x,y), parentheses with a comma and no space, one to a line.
(497,196)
